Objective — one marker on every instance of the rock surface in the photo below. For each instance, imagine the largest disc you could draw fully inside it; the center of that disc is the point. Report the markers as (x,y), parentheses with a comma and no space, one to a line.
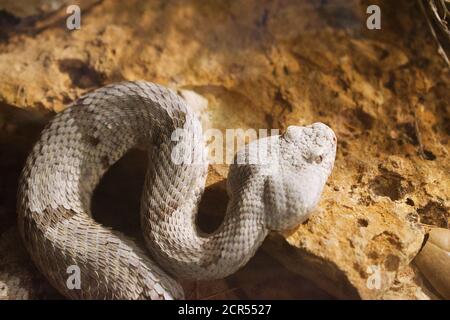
(257,64)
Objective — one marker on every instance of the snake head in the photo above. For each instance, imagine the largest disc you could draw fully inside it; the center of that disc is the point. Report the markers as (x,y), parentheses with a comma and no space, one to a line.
(295,183)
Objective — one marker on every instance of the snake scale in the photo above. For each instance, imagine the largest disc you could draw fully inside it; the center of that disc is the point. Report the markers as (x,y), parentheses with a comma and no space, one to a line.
(79,145)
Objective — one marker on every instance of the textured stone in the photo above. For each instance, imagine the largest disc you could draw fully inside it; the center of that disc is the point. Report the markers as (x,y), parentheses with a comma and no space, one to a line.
(262,64)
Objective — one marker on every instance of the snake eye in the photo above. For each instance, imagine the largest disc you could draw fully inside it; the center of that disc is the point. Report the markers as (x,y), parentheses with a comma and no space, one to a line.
(318,159)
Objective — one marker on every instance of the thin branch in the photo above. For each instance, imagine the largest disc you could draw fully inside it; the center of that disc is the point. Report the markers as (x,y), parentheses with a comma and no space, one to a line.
(441,50)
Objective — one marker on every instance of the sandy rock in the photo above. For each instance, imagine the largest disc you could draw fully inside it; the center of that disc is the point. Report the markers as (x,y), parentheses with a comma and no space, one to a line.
(31,7)
(265,64)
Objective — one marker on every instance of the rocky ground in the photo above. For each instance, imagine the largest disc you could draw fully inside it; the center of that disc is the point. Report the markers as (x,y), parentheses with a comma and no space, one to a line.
(253,64)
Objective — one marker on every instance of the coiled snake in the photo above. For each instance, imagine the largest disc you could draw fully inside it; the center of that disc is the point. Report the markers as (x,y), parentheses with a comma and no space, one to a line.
(83,141)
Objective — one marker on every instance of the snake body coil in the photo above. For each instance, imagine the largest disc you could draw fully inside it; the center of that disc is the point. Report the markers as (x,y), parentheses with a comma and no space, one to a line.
(83,141)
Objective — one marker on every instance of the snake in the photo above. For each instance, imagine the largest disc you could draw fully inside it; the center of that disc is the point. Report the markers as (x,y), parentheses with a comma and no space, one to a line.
(268,191)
